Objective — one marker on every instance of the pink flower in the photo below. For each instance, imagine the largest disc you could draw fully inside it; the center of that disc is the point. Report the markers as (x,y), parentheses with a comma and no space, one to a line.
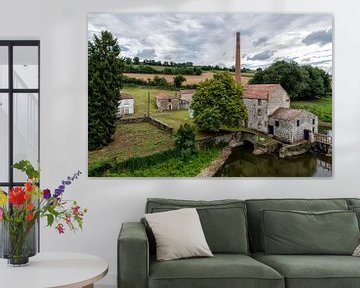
(1,213)
(60,228)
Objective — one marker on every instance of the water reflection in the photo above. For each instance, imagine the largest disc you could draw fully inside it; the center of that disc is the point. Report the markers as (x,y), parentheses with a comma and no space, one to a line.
(242,163)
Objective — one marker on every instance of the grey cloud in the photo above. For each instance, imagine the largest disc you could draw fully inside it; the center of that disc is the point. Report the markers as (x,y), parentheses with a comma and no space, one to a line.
(260,41)
(319,37)
(146,54)
(265,55)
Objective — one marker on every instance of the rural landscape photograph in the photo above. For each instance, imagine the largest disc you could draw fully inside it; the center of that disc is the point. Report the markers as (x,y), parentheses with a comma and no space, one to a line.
(210,95)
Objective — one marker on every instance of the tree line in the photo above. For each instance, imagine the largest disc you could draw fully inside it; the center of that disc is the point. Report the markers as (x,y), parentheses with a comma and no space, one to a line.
(301,82)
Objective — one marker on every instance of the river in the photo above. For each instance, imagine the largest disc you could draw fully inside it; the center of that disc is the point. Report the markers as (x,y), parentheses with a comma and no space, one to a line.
(242,163)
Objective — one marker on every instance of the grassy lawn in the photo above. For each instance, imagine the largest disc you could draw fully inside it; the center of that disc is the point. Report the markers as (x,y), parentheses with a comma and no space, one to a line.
(133,140)
(173,167)
(322,108)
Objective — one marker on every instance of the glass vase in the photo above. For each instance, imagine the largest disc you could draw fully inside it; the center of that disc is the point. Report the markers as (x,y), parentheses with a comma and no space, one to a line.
(18,242)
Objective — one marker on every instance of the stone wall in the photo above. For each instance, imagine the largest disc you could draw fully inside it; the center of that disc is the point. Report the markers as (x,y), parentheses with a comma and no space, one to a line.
(150,120)
(257,114)
(168,104)
(278,99)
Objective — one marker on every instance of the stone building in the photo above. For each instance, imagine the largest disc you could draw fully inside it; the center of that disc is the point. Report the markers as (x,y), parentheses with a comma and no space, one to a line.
(293,125)
(185,97)
(261,101)
(166,102)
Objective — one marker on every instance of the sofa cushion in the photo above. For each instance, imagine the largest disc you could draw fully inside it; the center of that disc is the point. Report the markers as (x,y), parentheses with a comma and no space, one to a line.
(313,271)
(222,270)
(254,217)
(178,234)
(223,221)
(297,232)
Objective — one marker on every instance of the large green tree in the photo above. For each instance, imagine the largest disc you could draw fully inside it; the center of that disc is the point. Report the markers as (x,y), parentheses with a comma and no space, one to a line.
(104,84)
(302,82)
(218,102)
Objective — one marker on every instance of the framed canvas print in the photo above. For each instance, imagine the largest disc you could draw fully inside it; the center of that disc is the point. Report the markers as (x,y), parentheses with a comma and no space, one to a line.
(210,95)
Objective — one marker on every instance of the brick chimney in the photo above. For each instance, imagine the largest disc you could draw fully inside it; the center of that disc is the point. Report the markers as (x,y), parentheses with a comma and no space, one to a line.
(237,59)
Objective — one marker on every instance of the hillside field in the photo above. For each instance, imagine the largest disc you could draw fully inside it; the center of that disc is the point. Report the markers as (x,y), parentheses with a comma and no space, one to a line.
(321,107)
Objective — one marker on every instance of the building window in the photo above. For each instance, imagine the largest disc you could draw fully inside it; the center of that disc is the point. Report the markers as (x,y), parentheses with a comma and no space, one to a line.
(259,112)
(277,124)
(19,108)
(259,102)
(313,121)
(297,123)
(313,129)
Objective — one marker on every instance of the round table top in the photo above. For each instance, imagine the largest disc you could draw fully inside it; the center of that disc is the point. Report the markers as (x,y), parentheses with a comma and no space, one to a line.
(59,269)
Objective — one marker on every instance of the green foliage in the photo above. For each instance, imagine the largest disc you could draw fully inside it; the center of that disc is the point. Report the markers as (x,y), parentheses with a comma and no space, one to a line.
(300,82)
(168,163)
(105,82)
(218,101)
(185,140)
(26,167)
(141,68)
(178,80)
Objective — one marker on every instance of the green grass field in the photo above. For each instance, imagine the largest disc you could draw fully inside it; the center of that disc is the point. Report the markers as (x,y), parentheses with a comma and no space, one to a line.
(322,108)
(174,167)
(131,140)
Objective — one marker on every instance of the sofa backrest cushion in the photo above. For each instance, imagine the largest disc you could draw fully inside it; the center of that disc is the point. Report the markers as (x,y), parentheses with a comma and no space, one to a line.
(298,232)
(223,221)
(256,205)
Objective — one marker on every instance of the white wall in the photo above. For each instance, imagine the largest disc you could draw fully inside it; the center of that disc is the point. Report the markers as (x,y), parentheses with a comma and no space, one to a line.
(62,28)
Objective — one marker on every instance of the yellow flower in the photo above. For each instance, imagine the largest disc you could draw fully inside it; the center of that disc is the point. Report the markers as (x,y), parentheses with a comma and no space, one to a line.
(3,198)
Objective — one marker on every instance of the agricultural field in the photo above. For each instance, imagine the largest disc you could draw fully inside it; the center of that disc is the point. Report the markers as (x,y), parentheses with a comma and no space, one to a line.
(321,107)
(131,140)
(190,79)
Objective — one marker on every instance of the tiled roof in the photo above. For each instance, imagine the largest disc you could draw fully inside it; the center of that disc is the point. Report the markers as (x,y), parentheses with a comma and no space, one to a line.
(260,91)
(163,96)
(286,113)
(126,96)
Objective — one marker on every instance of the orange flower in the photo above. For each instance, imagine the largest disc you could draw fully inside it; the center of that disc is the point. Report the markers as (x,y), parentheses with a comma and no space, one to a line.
(29,186)
(29,206)
(27,196)
(29,217)
(17,196)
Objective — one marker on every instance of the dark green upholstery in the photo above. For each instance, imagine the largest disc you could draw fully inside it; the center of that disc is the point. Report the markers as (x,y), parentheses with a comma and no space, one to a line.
(222,270)
(294,232)
(315,271)
(254,217)
(133,256)
(223,221)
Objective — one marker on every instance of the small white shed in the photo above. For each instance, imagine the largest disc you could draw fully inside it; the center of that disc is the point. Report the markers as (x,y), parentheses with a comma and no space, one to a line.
(126,104)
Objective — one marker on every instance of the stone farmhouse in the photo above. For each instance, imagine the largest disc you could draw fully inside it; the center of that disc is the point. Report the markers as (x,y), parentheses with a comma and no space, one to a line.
(181,100)
(269,110)
(126,104)
(166,102)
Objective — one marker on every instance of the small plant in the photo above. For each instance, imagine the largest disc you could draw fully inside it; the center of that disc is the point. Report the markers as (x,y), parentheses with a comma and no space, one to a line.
(185,140)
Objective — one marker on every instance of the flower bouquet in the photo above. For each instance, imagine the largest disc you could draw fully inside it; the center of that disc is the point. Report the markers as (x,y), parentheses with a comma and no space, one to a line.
(21,208)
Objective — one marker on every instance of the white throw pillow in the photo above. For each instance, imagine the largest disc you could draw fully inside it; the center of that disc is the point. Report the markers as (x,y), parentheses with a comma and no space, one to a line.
(178,234)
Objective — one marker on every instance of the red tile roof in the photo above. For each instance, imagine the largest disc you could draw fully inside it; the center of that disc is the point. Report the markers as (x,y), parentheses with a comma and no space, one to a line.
(187,91)
(260,91)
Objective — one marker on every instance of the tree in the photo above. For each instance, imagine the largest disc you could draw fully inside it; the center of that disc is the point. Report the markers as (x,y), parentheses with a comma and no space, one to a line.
(136,60)
(300,82)
(105,81)
(178,80)
(218,102)
(185,140)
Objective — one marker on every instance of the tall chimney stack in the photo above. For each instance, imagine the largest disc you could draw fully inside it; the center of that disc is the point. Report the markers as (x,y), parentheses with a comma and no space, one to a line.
(237,59)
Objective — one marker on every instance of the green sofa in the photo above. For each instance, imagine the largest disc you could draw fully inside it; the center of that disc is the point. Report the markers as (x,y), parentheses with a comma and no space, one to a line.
(234,230)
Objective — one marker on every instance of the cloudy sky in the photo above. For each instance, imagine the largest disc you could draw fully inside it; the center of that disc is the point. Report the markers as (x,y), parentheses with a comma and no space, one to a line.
(210,38)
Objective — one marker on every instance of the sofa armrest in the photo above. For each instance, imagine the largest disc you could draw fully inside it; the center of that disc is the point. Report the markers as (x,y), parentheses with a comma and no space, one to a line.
(133,256)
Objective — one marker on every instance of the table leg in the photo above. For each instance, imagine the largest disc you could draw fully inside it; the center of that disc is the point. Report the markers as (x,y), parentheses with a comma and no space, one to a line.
(89,286)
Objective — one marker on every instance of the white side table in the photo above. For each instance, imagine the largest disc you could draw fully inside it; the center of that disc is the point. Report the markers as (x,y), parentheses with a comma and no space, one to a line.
(50,270)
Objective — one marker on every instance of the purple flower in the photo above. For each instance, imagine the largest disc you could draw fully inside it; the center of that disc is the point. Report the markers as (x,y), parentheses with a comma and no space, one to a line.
(46,194)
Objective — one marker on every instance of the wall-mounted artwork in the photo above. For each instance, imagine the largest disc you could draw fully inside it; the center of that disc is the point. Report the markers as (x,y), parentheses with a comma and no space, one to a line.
(210,95)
